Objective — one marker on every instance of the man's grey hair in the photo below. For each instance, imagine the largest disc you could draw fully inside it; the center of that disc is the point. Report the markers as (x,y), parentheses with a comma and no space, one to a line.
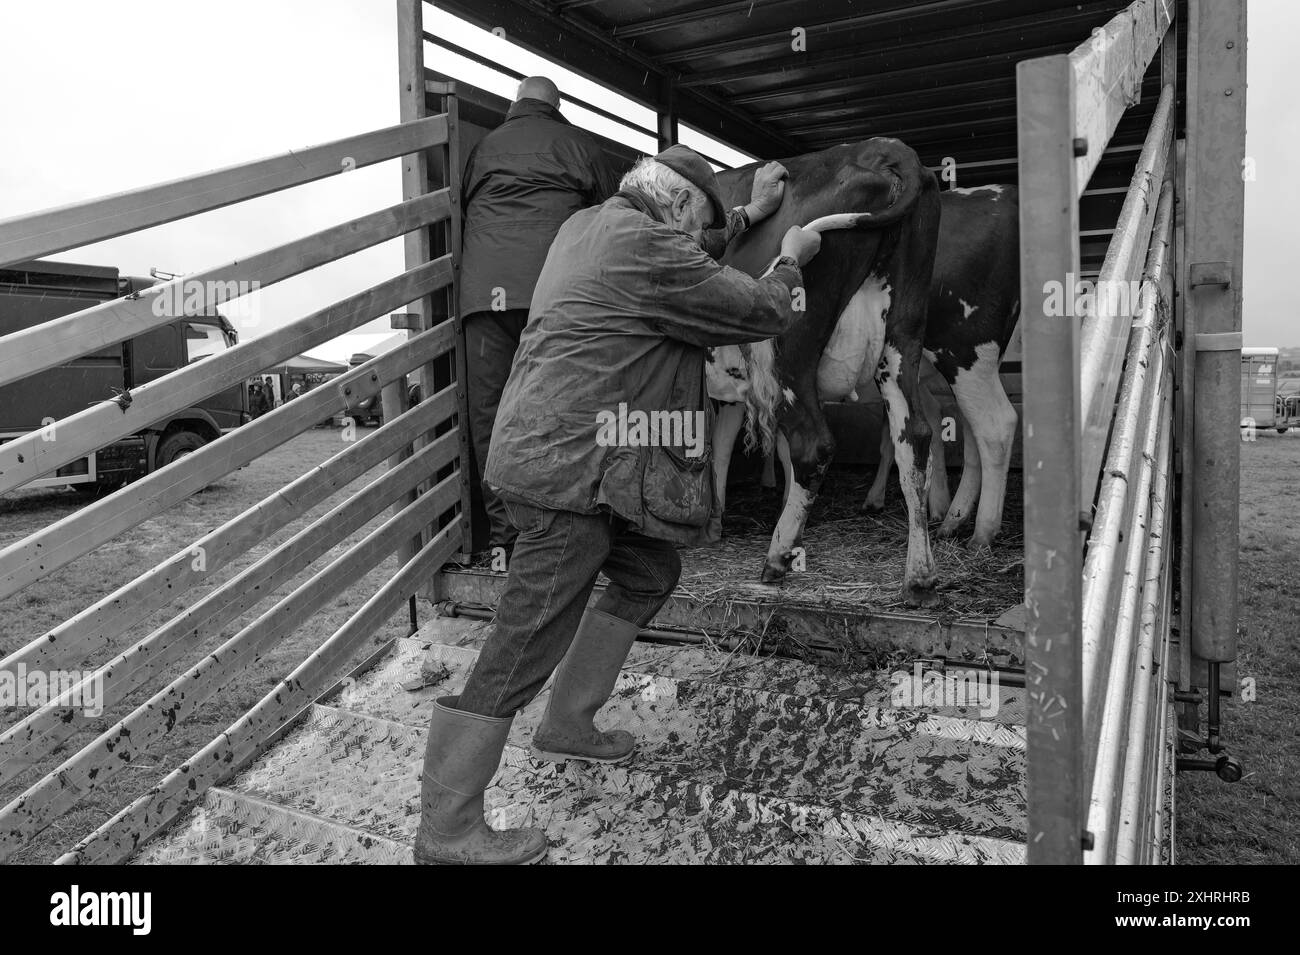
(660,184)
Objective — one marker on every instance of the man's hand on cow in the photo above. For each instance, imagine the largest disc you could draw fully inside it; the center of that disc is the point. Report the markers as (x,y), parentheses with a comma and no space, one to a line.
(769,188)
(801,244)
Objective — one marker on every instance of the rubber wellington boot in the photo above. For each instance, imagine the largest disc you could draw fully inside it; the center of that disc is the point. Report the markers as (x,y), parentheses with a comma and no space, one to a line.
(462,757)
(583,682)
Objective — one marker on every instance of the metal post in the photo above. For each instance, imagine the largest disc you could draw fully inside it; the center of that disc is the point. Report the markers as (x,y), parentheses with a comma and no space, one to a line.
(1049,253)
(1216,132)
(451,176)
(1185,343)
(415,179)
(1183,450)
(667,113)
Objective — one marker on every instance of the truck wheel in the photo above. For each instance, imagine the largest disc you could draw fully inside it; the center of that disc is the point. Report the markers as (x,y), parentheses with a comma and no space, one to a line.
(177,445)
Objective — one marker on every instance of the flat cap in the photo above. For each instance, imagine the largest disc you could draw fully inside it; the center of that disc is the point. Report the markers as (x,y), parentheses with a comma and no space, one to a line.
(695,169)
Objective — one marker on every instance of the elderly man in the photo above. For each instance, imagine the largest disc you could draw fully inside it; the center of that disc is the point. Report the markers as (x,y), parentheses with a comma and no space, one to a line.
(521,182)
(627,303)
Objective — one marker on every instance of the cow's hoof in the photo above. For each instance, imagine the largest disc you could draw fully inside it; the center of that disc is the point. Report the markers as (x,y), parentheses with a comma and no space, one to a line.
(920,598)
(773,575)
(871,507)
(939,510)
(980,546)
(948,529)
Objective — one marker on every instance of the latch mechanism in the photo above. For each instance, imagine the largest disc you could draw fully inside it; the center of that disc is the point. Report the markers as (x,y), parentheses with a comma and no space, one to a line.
(1209,273)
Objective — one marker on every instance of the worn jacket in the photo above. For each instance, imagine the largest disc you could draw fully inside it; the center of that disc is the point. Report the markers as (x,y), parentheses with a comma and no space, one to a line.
(522,180)
(622,315)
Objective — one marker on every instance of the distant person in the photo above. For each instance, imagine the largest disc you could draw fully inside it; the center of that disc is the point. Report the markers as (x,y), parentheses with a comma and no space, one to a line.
(258,401)
(295,392)
(522,181)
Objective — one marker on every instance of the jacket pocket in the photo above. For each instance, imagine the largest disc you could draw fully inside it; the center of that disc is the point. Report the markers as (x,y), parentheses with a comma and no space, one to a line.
(677,488)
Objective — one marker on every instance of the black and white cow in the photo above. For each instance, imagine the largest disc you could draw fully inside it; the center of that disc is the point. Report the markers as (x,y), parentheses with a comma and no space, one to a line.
(974,305)
(972,314)
(866,296)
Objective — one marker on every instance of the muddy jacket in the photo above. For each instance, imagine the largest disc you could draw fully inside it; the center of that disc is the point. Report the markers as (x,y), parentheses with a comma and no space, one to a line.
(623,313)
(521,182)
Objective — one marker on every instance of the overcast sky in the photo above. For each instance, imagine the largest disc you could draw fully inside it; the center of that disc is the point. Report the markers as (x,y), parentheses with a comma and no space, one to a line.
(106,96)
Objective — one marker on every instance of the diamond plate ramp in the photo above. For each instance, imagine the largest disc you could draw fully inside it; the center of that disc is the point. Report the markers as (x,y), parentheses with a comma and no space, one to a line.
(912,764)
(229,828)
(364,772)
(741,760)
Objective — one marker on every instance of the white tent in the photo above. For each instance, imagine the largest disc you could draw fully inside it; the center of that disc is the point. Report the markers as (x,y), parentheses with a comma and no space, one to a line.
(378,348)
(342,349)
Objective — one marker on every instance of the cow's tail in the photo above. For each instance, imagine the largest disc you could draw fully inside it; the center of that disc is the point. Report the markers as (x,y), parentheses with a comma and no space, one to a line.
(761,397)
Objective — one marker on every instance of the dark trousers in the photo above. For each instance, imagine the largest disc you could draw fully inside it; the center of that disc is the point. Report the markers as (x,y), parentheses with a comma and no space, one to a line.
(553,569)
(491,339)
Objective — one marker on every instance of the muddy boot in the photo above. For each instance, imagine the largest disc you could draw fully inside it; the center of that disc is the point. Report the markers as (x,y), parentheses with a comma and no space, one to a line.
(463,754)
(583,682)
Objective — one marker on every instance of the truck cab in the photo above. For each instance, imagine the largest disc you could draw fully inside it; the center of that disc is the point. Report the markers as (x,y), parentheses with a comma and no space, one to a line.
(38,291)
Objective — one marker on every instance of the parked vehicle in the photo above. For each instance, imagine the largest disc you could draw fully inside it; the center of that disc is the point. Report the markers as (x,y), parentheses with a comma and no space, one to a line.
(35,292)
(1287,408)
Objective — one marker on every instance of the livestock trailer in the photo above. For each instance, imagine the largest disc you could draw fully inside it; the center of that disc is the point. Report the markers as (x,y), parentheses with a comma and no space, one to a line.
(808,723)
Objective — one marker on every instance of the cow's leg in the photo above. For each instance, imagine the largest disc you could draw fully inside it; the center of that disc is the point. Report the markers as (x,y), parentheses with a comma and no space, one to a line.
(898,376)
(963,502)
(938,498)
(805,446)
(899,380)
(875,502)
(993,420)
(727,424)
(769,471)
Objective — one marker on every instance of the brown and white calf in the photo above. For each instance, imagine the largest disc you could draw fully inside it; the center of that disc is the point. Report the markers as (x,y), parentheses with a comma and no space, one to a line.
(866,295)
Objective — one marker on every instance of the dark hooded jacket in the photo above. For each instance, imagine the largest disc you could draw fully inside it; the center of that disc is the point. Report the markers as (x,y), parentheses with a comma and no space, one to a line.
(521,182)
(622,316)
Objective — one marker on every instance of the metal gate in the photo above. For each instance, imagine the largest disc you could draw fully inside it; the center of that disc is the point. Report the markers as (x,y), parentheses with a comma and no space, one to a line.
(424,485)
(1128,502)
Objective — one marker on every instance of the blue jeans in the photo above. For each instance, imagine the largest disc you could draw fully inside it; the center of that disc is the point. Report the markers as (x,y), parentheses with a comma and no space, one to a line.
(553,569)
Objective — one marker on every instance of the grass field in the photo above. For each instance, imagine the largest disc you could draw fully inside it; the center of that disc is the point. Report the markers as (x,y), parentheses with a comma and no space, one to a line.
(1254,821)
(1258,819)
